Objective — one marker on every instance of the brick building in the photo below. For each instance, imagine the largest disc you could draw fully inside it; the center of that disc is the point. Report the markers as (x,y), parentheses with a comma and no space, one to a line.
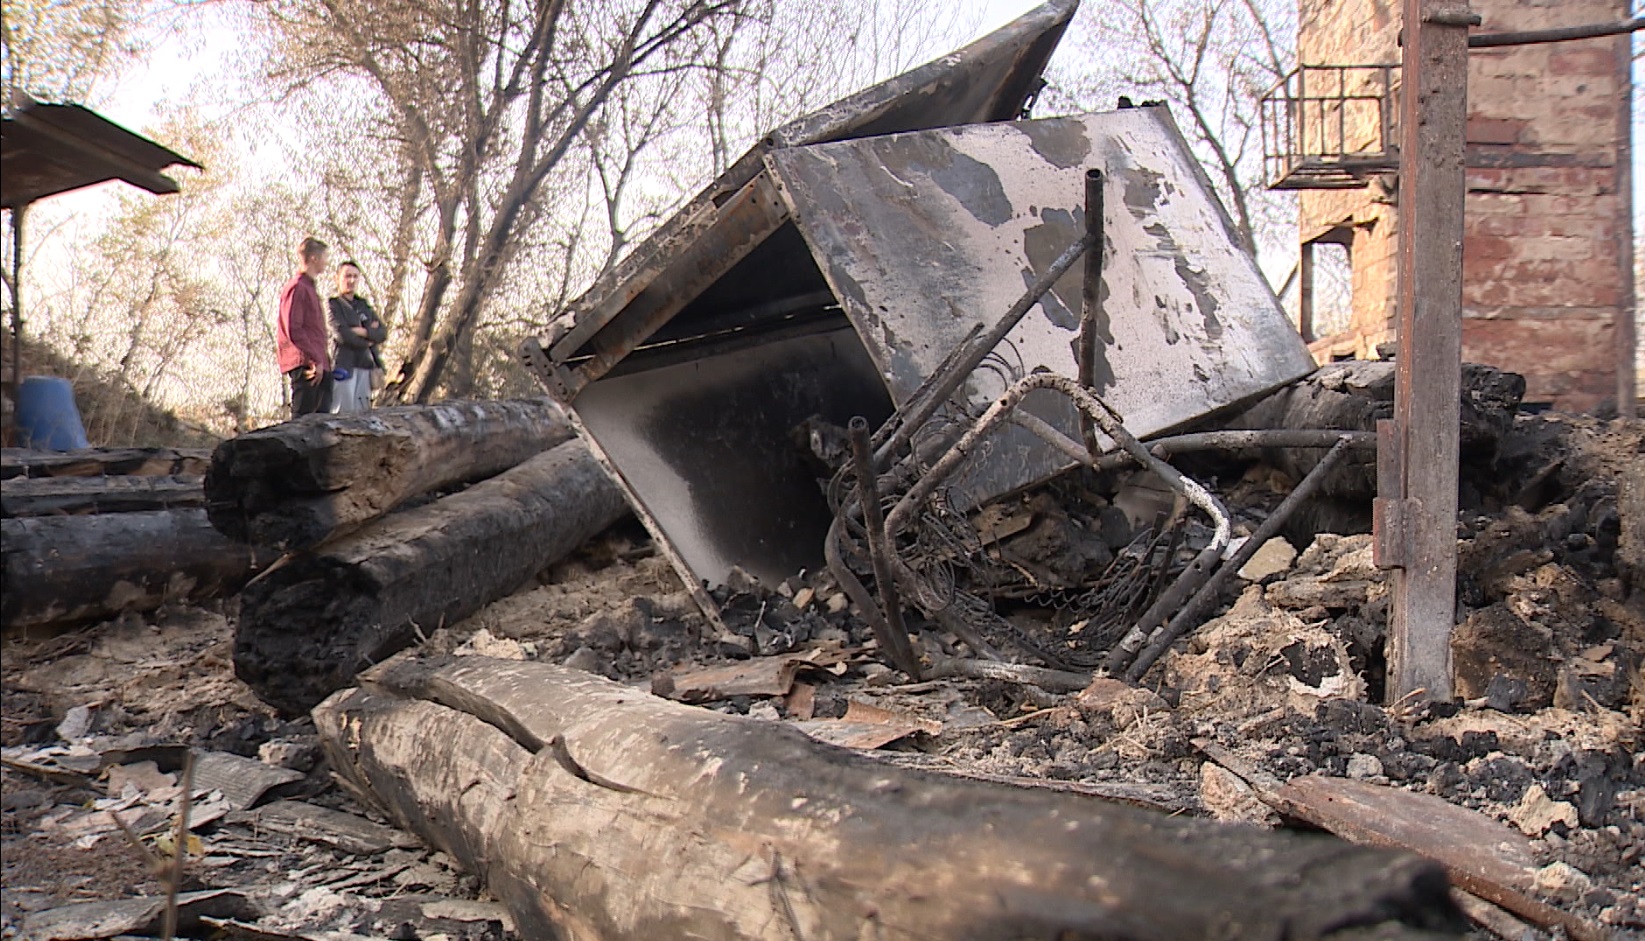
(1547,256)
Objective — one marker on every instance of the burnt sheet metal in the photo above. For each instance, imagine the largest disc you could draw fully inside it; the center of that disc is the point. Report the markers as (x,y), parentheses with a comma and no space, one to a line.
(990,80)
(705,450)
(664,364)
(46,149)
(925,236)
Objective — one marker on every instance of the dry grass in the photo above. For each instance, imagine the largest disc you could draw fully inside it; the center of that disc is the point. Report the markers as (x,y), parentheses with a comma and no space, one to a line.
(115,415)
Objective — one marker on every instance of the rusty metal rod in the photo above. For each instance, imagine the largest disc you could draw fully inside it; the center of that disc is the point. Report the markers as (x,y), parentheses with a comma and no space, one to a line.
(1529,37)
(853,586)
(1086,402)
(1237,440)
(1172,599)
(936,389)
(1091,317)
(879,552)
(1188,617)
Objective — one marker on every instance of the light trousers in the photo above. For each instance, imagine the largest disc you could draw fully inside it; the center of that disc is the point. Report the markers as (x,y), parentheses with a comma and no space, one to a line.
(352,394)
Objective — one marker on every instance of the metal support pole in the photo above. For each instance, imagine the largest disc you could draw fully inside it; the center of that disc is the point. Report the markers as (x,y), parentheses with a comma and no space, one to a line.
(1193,612)
(879,551)
(1417,502)
(1305,292)
(1093,325)
(17,214)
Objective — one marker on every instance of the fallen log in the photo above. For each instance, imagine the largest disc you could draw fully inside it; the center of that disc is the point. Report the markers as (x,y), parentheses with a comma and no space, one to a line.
(63,570)
(310,624)
(102,462)
(297,484)
(594,811)
(1353,396)
(74,496)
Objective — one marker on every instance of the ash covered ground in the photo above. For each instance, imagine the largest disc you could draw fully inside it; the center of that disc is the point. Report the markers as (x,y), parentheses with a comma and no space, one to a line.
(1287,681)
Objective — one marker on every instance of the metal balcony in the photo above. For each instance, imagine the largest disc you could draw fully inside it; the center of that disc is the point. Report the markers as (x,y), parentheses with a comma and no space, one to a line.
(1330,127)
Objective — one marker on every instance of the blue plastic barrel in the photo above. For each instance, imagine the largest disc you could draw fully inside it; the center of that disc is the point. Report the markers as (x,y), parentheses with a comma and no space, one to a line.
(47,418)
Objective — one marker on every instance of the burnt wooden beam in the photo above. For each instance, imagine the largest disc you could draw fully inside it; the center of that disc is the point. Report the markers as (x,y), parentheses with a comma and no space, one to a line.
(299,483)
(312,622)
(565,792)
(1417,502)
(75,496)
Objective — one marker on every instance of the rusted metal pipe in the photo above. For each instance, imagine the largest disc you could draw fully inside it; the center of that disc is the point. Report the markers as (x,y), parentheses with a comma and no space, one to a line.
(1091,300)
(1529,37)
(854,588)
(895,639)
(1321,438)
(1188,617)
(1192,579)
(936,389)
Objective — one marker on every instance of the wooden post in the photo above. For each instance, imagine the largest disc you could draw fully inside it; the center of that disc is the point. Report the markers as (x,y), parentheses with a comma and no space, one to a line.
(1627,305)
(1418,503)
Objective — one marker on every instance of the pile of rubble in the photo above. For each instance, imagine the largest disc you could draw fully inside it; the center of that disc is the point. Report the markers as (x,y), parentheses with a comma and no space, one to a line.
(104,727)
(1282,686)
(1287,681)
(1090,602)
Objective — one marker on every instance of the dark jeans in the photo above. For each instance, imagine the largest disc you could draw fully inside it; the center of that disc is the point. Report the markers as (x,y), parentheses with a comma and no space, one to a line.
(309,395)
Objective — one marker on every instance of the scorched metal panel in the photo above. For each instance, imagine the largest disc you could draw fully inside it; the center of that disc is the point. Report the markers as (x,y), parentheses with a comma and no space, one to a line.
(923,236)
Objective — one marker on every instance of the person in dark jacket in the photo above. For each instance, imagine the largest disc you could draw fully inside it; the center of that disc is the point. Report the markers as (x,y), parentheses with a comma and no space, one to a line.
(359,332)
(301,333)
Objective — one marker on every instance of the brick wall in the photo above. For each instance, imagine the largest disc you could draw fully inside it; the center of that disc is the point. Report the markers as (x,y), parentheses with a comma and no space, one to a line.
(1544,281)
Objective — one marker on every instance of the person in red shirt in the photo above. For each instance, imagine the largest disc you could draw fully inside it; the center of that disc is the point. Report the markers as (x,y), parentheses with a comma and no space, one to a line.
(303,336)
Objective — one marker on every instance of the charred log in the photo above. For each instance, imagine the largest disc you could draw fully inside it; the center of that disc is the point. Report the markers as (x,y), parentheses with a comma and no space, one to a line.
(563,791)
(297,484)
(64,570)
(309,625)
(1352,396)
(102,462)
(75,496)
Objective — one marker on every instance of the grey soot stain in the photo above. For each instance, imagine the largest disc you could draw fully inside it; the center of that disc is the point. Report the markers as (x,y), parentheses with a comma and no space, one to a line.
(1142,188)
(971,182)
(1042,244)
(1194,279)
(977,187)
(1063,144)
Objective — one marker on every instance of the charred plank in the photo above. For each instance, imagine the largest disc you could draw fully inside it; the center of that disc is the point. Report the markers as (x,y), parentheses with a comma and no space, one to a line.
(102,462)
(74,496)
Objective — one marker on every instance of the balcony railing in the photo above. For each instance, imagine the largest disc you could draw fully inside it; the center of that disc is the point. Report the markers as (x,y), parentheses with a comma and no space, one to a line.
(1330,126)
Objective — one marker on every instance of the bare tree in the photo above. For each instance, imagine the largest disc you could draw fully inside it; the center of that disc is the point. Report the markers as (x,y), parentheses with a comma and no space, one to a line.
(490,99)
(1210,61)
(61,49)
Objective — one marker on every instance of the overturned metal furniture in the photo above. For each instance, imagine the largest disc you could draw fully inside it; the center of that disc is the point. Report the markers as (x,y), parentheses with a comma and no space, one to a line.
(841,263)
